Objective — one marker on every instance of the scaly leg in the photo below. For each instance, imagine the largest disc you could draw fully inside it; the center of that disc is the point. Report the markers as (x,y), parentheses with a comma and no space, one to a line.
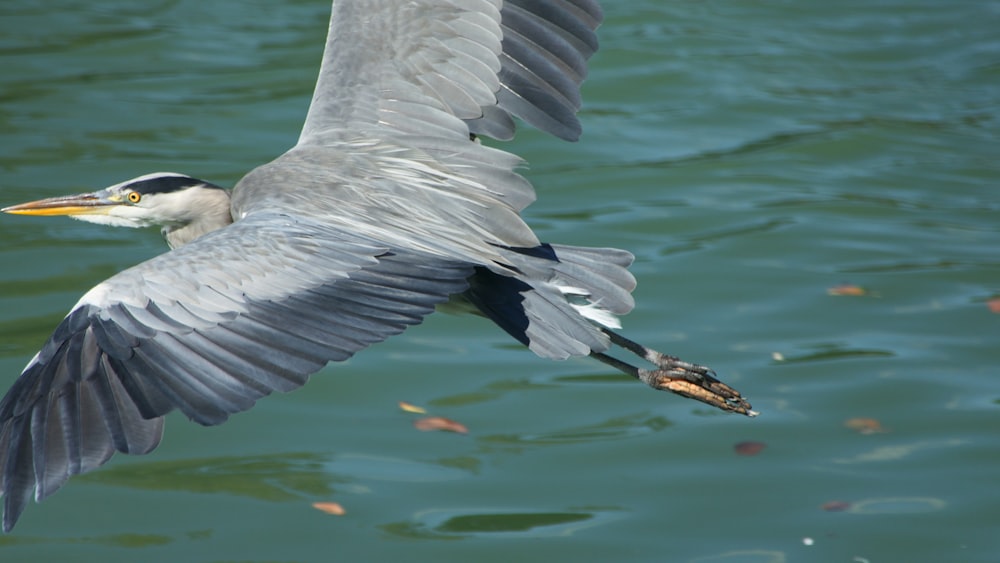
(680,377)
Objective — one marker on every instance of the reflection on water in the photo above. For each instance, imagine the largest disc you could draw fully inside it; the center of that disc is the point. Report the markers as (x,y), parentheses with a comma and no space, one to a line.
(281,477)
(356,467)
(274,478)
(898,505)
(455,524)
(610,429)
(900,452)
(744,556)
(829,351)
(111,540)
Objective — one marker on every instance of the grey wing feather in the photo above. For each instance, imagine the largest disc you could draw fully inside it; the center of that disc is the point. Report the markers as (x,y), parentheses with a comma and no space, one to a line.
(401,87)
(400,65)
(124,357)
(452,68)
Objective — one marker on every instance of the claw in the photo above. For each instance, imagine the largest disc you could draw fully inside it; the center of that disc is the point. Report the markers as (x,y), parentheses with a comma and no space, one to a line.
(673,363)
(675,375)
(696,382)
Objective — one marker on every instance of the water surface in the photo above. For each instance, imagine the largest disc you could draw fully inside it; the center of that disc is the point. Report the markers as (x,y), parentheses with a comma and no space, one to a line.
(752,155)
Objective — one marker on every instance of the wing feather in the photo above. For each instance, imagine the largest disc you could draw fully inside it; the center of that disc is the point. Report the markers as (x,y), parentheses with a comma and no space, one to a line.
(470,64)
(124,358)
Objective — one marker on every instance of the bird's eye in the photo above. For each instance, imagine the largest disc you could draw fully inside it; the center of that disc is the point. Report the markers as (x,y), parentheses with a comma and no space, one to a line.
(134,197)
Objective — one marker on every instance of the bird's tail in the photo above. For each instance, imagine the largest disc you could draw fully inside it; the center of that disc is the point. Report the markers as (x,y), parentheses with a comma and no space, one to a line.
(563,301)
(555,299)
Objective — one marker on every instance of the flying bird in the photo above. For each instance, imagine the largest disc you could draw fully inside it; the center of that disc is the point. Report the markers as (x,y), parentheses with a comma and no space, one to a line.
(387,206)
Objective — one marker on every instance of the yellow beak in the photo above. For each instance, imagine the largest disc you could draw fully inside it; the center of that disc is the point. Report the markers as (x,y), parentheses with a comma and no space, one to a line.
(95,202)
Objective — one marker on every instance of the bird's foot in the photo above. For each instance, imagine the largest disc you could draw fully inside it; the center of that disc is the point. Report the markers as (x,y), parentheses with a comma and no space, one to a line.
(675,375)
(694,382)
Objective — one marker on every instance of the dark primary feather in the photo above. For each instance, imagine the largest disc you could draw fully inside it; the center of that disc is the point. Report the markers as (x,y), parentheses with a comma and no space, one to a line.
(546,45)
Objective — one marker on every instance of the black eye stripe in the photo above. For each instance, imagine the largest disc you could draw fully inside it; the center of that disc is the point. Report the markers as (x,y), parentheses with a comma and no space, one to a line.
(166,184)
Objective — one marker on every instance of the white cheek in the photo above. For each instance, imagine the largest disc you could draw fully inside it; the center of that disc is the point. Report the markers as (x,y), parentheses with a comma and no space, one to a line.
(113,218)
(132,216)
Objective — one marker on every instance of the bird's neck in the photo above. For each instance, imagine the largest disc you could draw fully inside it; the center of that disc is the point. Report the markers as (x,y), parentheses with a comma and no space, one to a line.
(213,213)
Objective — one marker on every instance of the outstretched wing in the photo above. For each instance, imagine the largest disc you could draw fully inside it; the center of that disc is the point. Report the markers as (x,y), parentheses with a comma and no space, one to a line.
(401,88)
(453,67)
(208,329)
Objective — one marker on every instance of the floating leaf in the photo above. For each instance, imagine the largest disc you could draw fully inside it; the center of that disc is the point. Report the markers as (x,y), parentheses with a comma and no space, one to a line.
(749,448)
(993,304)
(847,289)
(412,408)
(864,425)
(836,506)
(333,508)
(439,423)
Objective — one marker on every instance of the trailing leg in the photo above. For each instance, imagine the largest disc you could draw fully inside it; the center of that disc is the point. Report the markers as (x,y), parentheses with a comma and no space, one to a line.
(672,374)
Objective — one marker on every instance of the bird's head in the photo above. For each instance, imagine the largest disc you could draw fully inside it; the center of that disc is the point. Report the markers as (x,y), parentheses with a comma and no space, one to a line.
(185,207)
(162,198)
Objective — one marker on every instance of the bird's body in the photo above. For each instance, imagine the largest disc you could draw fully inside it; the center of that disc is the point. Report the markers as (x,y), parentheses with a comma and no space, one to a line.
(387,207)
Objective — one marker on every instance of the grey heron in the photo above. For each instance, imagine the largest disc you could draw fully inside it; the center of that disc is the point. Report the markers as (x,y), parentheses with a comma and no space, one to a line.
(387,207)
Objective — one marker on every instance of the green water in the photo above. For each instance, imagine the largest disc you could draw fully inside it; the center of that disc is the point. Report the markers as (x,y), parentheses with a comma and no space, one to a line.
(752,155)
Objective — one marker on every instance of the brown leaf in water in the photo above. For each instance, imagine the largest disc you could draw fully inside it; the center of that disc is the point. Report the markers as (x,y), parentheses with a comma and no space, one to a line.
(847,289)
(430,423)
(333,508)
(749,448)
(836,506)
(993,304)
